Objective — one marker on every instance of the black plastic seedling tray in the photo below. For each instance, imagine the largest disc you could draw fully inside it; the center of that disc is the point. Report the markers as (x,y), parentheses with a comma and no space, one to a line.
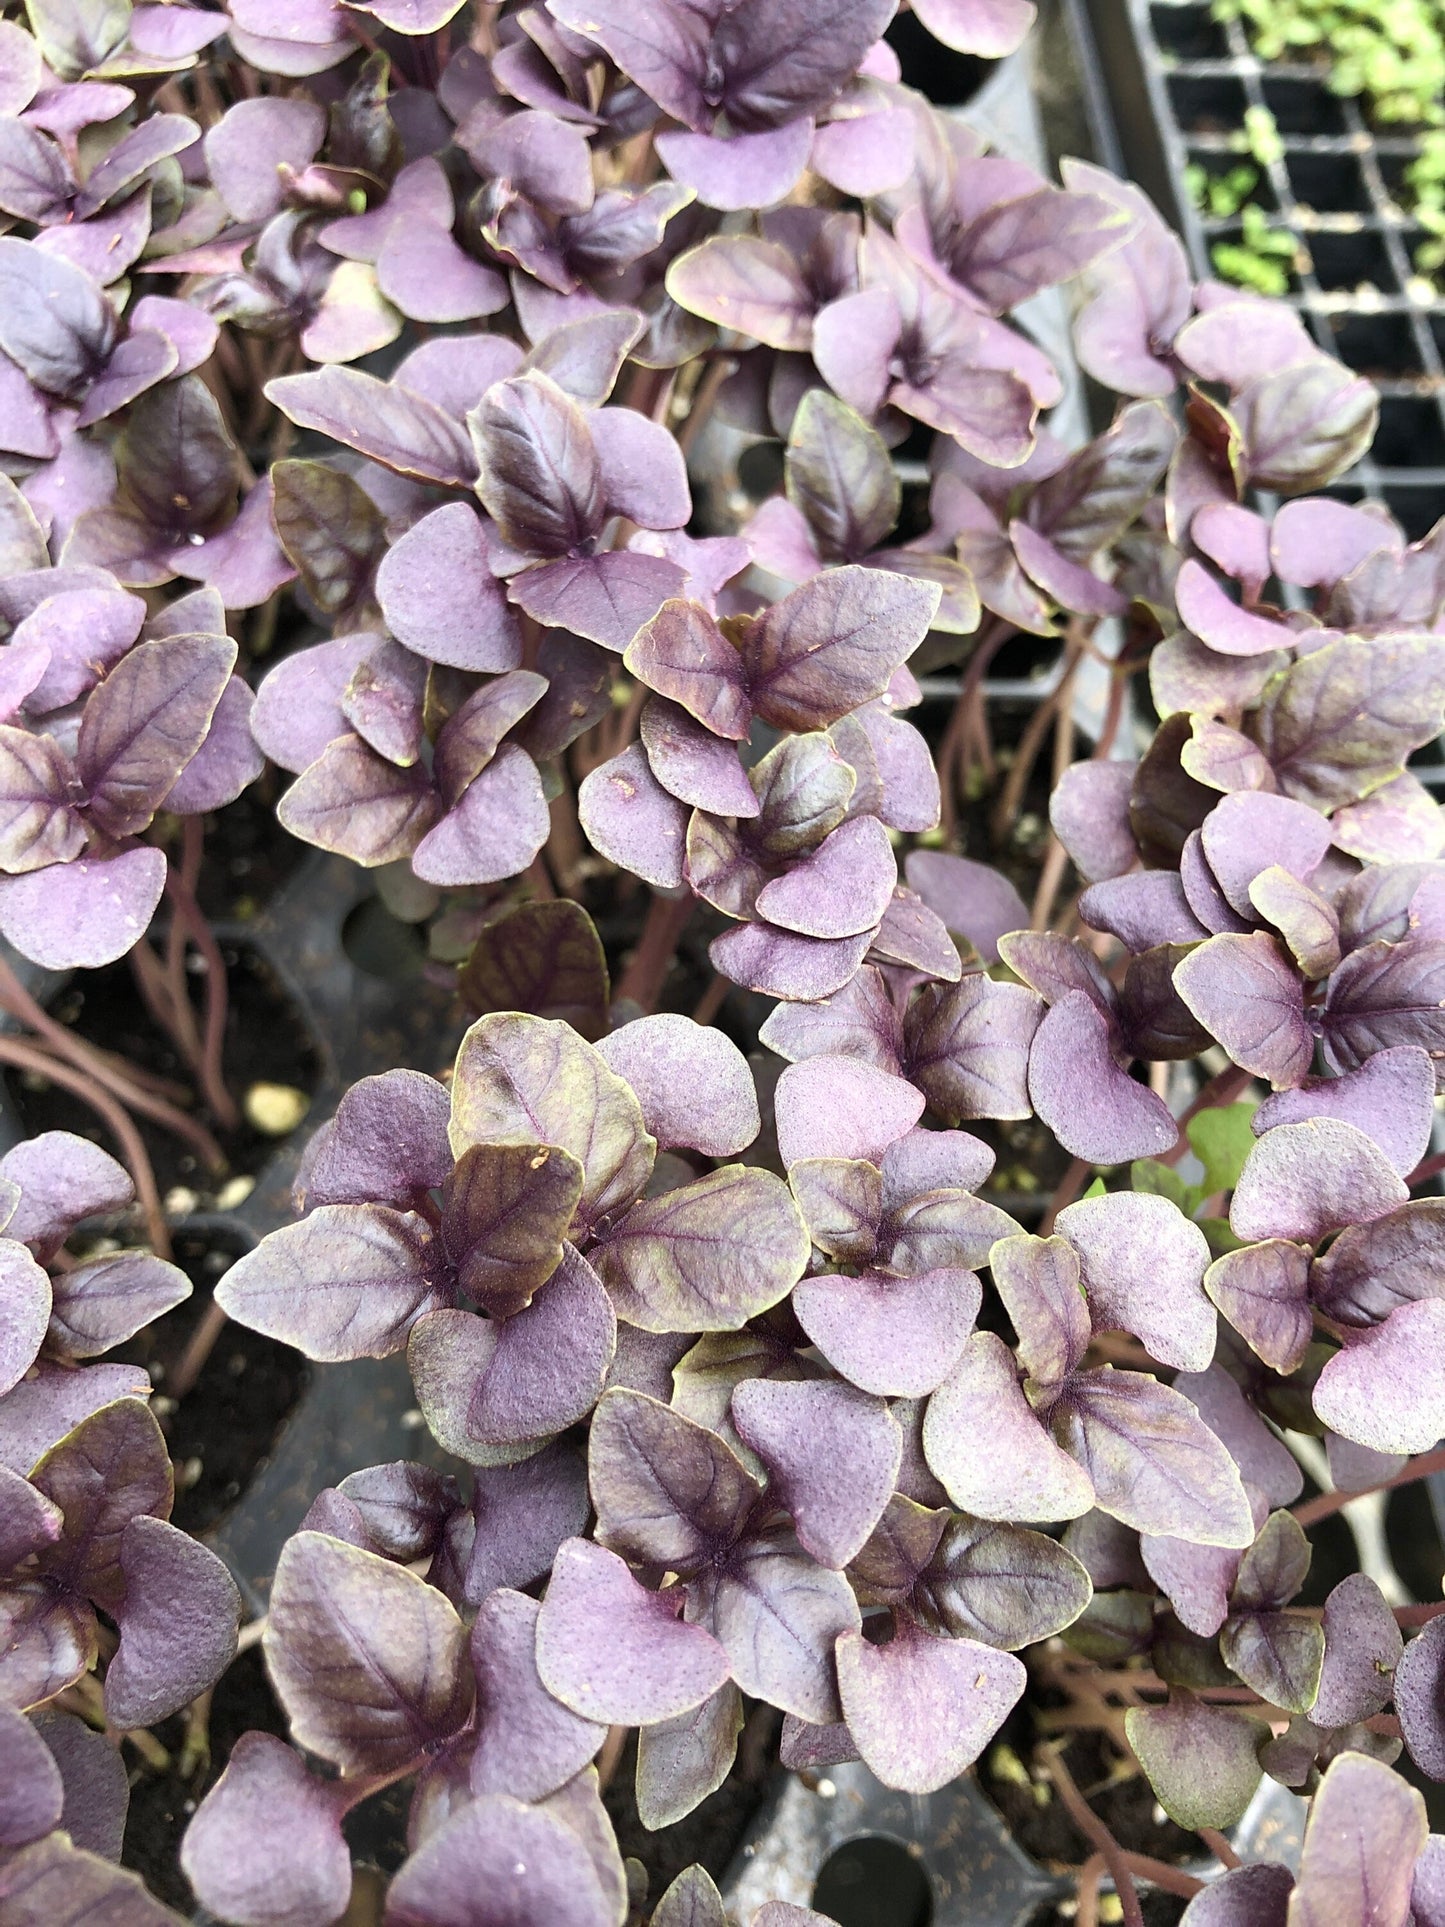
(1180,83)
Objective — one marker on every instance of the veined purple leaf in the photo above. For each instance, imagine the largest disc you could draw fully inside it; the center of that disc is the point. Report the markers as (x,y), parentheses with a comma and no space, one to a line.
(52,1878)
(27,1312)
(605,598)
(613,1651)
(707,1256)
(347,1282)
(102,1303)
(692,764)
(493,831)
(540,477)
(386,1144)
(968,1047)
(365,1656)
(800,1431)
(1381,997)
(1245,993)
(1344,718)
(523,1513)
(267,1792)
(551,1359)
(56,325)
(111,1469)
(841,1107)
(1367,1827)
(833,644)
(358,804)
(1171,1315)
(532,1080)
(1371,1269)
(177,1624)
(922,1709)
(472,734)
(991,1452)
(1263,1291)
(683,655)
(1039,1281)
(1302,1181)
(694,1085)
(899,1337)
(1247,833)
(144,724)
(513,1860)
(440,598)
(388,423)
(544,958)
(668,1490)
(528,1744)
(1362,1651)
(1095,1109)
(1391,1097)
(778,1614)
(1304,918)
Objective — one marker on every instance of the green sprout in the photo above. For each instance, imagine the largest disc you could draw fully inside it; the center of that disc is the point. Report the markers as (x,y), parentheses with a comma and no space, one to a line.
(1390,53)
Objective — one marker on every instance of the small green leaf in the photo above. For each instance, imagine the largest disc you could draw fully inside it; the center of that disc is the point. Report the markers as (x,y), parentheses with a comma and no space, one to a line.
(1222,1139)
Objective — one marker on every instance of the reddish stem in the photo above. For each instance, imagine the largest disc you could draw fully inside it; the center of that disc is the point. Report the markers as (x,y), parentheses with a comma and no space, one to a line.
(647,969)
(1328,1503)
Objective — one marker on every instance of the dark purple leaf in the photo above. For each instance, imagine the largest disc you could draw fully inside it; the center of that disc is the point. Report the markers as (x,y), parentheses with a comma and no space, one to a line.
(390,424)
(54,321)
(177,1624)
(528,1744)
(1263,1291)
(968,1047)
(668,1491)
(833,644)
(387,1143)
(111,1469)
(1245,993)
(523,1514)
(1384,996)
(102,1303)
(1362,1651)
(144,724)
(31,1792)
(683,655)
(51,1881)
(267,1793)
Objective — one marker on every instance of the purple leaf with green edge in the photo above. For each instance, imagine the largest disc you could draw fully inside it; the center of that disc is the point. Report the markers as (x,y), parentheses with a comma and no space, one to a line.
(694,1084)
(1250,997)
(1263,1290)
(144,724)
(841,1107)
(1096,1110)
(403,1507)
(1199,1759)
(1195,1579)
(448,1353)
(471,736)
(1089,812)
(683,655)
(777,963)
(1384,996)
(365,1657)
(440,598)
(782,1913)
(28,1521)
(51,1880)
(1391,1097)
(805,788)
(987,1446)
(1366,1829)
(968,1047)
(692,764)
(586,356)
(1223,759)
(31,1791)
(177,1624)
(1170,1314)
(1362,1651)
(679,1763)
(1152,1461)
(921,1709)
(1039,1282)
(1000,1584)
(532,1080)
(838,475)
(551,1359)
(1208,613)
(357,804)
(131,158)
(841,1200)
(1345,717)
(633,821)
(266,1791)
(528,1744)
(841,890)
(1134,301)
(668,1491)
(605,598)
(112,1468)
(506,1209)
(707,1256)
(349,1281)
(1304,426)
(386,1144)
(1399,822)
(85,632)
(1302,1181)
(518,1863)
(778,1613)
(613,1651)
(1247,833)
(1142,910)
(833,644)
(523,1514)
(1372,1269)
(899,1337)
(1384,1390)
(332,532)
(784,1423)
(858,1021)
(178,465)
(495,829)
(108,1300)
(540,477)
(249,145)
(1304,918)
(57,325)
(27,1312)
(388,423)
(297,711)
